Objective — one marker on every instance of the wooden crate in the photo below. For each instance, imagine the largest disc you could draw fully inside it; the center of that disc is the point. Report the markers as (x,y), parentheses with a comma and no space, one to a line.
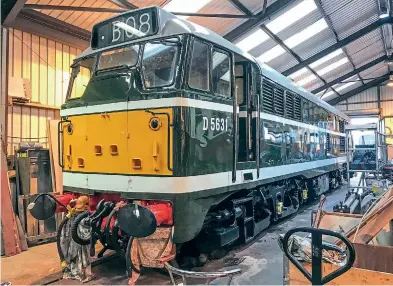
(37,231)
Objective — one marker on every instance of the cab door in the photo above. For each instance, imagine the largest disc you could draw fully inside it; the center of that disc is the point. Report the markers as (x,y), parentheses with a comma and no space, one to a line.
(247,80)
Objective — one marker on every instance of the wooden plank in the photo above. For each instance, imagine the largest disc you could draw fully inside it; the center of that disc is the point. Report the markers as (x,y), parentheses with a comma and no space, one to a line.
(37,105)
(33,186)
(26,48)
(43,96)
(66,69)
(17,53)
(374,225)
(52,165)
(21,209)
(374,257)
(31,222)
(51,73)
(16,125)
(22,235)
(59,75)
(354,276)
(10,237)
(57,177)
(35,68)
(25,122)
(10,52)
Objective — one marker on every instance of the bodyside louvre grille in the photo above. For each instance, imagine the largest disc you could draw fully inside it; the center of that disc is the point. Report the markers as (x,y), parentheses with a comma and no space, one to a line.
(279,101)
(268,96)
(328,149)
(342,139)
(289,106)
(298,108)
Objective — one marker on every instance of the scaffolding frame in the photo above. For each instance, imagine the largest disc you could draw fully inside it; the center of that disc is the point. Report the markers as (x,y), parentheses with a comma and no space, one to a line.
(380,149)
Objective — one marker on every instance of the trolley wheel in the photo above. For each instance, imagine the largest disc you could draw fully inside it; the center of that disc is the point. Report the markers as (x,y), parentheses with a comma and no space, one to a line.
(81,232)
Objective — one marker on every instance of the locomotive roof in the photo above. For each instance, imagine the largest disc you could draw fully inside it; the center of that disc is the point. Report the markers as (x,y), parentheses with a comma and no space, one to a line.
(170,25)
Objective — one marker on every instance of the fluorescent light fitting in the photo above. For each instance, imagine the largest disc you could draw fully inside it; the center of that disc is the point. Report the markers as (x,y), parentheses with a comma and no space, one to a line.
(326,58)
(333,66)
(384,13)
(185,6)
(253,40)
(306,34)
(291,16)
(390,84)
(271,54)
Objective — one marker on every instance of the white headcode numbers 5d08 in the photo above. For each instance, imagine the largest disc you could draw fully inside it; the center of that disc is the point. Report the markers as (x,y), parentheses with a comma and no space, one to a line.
(215,123)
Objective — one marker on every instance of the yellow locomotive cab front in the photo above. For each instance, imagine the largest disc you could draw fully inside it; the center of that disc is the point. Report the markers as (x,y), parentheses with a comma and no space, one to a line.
(133,142)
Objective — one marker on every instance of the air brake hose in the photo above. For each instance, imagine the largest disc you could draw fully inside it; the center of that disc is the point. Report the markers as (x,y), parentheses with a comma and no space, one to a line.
(129,265)
(108,221)
(50,195)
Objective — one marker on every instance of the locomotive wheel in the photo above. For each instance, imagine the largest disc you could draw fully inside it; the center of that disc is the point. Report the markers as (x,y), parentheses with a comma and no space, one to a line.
(80,231)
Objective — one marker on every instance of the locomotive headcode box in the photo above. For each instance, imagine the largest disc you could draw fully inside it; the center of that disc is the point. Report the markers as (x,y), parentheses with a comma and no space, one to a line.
(125,27)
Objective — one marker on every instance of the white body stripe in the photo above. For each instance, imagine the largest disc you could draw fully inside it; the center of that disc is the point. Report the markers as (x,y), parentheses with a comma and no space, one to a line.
(143,184)
(145,104)
(283,120)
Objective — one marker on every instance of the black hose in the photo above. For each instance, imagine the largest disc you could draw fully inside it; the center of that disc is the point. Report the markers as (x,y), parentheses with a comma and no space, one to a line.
(108,221)
(115,238)
(129,265)
(58,238)
(50,195)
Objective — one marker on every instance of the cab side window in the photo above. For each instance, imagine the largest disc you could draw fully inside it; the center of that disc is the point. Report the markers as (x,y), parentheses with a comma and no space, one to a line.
(199,66)
(221,73)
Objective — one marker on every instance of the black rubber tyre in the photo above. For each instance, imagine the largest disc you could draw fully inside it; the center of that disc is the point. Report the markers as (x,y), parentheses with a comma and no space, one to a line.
(74,229)
(58,242)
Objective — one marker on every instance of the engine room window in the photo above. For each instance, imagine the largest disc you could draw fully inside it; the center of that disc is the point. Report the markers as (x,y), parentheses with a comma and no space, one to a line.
(159,63)
(80,77)
(221,74)
(124,57)
(199,68)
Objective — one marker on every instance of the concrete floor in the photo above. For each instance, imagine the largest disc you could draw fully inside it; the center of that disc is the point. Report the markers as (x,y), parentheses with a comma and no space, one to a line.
(261,260)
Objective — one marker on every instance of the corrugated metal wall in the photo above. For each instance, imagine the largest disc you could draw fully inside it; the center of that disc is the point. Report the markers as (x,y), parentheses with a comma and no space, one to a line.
(46,64)
(368,100)
(386,101)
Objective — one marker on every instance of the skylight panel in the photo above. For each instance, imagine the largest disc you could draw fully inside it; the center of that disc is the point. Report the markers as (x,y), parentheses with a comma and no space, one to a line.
(253,40)
(327,94)
(295,40)
(291,16)
(333,66)
(271,54)
(306,80)
(306,34)
(326,58)
(298,73)
(185,6)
